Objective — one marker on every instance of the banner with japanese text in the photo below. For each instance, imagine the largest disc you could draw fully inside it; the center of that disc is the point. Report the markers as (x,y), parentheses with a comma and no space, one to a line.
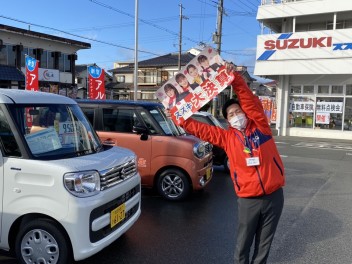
(96,83)
(302,106)
(330,107)
(269,106)
(203,78)
(32,82)
(322,118)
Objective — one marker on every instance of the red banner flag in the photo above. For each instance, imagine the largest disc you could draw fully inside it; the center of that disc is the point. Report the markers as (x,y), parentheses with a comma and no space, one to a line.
(32,82)
(96,83)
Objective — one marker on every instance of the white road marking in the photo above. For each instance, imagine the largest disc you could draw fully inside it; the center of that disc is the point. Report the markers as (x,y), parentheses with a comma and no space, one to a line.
(324,145)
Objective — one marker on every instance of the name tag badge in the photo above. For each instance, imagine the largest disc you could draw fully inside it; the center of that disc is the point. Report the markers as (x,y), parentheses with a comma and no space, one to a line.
(254,161)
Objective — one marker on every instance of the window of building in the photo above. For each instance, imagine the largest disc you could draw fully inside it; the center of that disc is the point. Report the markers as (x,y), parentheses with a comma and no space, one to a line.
(44,59)
(308,89)
(11,55)
(51,60)
(316,26)
(3,55)
(328,113)
(147,76)
(164,76)
(148,95)
(296,89)
(67,63)
(24,52)
(349,89)
(120,78)
(301,111)
(323,89)
(337,89)
(323,108)
(347,124)
(31,52)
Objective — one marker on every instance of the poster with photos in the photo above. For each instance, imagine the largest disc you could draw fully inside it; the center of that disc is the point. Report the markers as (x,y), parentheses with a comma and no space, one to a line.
(203,78)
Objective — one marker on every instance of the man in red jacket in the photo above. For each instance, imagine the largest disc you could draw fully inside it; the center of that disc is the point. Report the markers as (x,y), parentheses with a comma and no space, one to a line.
(256,169)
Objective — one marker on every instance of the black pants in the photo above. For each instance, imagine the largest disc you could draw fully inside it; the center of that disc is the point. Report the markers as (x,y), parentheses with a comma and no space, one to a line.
(257,218)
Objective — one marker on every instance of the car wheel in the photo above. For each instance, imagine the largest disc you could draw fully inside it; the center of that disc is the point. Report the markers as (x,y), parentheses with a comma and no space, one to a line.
(226,165)
(173,185)
(42,241)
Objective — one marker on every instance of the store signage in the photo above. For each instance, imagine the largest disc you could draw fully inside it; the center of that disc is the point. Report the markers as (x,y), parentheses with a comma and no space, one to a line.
(49,75)
(304,45)
(31,74)
(303,107)
(322,118)
(330,107)
(96,82)
(281,44)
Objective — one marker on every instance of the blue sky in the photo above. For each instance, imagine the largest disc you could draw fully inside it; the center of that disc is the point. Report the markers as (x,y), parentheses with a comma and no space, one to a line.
(112,22)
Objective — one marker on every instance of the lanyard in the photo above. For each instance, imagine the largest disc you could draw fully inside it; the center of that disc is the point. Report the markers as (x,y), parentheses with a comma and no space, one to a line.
(247,146)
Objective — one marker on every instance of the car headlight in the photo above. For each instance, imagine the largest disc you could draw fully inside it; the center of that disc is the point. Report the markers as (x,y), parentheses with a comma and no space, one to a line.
(82,183)
(199,150)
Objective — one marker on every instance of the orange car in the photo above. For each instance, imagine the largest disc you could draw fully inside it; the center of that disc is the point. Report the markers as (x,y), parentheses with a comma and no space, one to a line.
(172,162)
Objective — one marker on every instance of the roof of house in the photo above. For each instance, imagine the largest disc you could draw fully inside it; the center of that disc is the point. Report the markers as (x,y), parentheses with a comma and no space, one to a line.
(31,33)
(11,73)
(170,59)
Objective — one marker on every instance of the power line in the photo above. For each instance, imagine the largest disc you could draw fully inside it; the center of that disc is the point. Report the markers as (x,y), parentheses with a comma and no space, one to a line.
(142,20)
(75,35)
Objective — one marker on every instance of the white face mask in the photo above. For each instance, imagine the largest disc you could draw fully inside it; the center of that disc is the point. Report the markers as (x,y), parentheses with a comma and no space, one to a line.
(239,121)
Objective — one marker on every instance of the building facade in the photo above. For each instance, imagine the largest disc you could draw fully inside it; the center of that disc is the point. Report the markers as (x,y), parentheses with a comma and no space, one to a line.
(56,56)
(306,46)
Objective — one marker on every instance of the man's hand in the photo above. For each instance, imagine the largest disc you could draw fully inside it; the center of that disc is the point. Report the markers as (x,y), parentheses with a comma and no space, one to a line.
(230,67)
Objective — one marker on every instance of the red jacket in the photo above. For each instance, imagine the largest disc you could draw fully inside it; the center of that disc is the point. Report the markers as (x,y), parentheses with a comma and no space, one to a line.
(249,181)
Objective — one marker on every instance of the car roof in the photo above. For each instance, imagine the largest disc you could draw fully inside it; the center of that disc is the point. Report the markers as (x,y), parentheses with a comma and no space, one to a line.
(202,113)
(120,102)
(11,96)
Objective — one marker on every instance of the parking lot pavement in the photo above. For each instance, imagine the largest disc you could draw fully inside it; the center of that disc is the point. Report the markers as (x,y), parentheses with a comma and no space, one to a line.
(316,222)
(315,227)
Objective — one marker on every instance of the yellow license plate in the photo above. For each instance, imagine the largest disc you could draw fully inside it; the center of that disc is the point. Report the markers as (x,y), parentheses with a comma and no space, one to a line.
(208,174)
(117,215)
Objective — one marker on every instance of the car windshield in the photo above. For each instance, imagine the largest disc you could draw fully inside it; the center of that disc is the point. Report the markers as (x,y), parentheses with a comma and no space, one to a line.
(55,131)
(165,123)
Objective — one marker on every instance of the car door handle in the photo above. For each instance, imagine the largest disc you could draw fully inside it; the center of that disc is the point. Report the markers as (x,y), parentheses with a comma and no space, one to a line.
(108,142)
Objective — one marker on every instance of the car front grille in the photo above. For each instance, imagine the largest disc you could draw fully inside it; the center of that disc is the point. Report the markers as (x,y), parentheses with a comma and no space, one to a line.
(95,236)
(115,175)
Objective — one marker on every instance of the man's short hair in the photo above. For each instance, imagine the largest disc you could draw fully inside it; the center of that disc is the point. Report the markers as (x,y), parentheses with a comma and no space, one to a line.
(227,104)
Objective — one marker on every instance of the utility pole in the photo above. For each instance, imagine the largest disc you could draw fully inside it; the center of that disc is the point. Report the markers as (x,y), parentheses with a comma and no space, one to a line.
(217,40)
(180,38)
(135,51)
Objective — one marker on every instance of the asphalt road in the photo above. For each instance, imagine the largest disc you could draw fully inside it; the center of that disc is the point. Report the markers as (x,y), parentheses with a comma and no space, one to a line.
(315,226)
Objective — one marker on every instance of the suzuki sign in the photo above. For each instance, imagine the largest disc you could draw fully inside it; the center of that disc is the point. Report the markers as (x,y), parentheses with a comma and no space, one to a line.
(328,44)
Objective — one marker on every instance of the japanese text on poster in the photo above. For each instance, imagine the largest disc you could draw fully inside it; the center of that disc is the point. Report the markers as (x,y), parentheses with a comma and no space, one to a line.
(96,82)
(203,78)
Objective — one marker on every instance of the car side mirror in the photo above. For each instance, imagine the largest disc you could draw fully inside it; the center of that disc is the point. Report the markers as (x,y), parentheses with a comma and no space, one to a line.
(140,130)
